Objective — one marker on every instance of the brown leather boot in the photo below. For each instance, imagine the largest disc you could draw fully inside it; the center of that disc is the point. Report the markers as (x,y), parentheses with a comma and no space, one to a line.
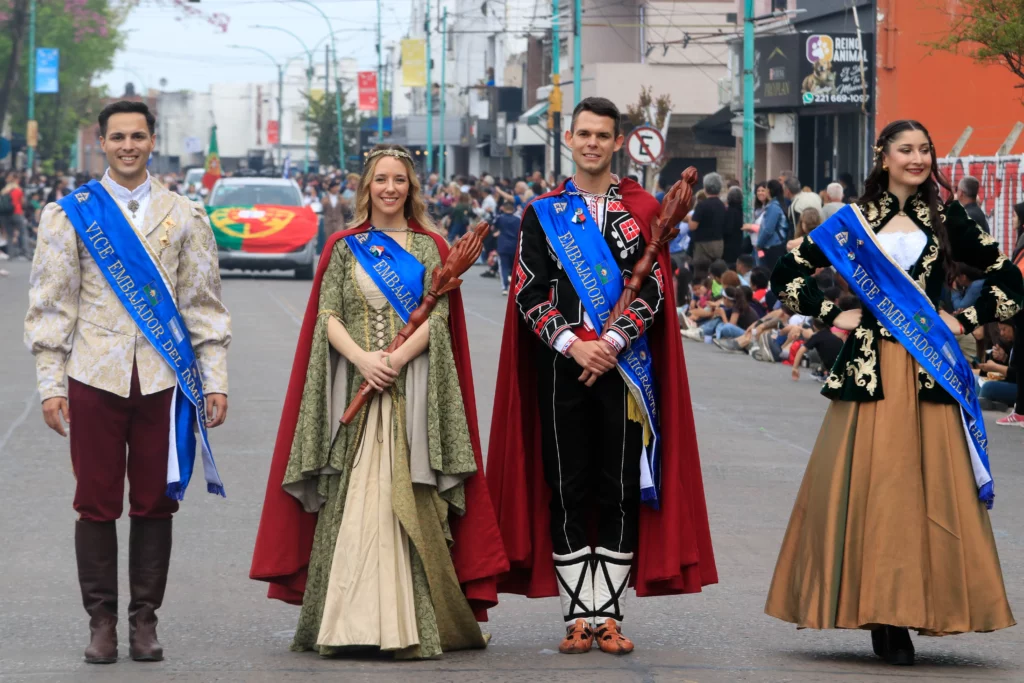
(149,555)
(96,552)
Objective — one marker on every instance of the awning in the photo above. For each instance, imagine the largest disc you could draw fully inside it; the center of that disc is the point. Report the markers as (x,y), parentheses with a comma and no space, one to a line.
(716,129)
(535,115)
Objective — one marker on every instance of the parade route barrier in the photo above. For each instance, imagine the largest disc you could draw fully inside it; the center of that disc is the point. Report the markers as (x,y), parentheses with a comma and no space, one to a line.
(1001,186)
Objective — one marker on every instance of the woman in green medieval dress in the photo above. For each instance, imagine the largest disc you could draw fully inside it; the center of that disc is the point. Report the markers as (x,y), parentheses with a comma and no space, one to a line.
(389,488)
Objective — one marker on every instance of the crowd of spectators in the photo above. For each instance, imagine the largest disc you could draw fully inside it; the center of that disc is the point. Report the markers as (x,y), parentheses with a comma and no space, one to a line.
(723,267)
(722,263)
(21,202)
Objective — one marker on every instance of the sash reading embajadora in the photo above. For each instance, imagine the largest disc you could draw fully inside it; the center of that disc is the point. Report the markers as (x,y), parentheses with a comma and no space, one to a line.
(396,272)
(138,281)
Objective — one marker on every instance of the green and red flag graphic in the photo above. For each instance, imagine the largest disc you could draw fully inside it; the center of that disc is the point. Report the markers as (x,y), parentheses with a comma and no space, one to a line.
(212,174)
(263,228)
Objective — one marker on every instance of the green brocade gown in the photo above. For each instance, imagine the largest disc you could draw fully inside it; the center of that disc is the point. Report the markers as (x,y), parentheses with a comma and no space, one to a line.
(429,462)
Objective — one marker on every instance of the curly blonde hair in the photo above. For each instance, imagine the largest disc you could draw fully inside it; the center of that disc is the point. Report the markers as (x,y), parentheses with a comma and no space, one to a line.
(415,208)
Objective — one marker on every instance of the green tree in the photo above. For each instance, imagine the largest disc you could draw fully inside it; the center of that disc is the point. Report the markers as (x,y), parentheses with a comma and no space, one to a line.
(324,126)
(87,33)
(989,31)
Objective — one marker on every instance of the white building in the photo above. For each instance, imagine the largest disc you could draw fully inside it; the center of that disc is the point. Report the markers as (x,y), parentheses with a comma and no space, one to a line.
(245,115)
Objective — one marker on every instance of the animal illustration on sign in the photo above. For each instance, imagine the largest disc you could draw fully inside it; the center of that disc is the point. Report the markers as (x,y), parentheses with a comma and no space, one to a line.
(821,81)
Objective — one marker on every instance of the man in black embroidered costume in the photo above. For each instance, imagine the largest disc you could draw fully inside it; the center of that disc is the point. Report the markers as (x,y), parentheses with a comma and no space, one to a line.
(576,474)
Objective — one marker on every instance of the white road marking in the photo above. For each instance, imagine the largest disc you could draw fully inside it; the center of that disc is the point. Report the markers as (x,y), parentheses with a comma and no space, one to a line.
(31,402)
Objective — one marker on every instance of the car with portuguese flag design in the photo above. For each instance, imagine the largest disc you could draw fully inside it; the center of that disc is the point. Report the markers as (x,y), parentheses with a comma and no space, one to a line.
(261,224)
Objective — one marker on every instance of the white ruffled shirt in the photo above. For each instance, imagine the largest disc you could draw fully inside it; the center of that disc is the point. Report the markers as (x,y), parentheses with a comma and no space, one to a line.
(123,195)
(903,247)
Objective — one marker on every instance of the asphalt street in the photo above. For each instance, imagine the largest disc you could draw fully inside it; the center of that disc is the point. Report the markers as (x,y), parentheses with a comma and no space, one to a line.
(756,428)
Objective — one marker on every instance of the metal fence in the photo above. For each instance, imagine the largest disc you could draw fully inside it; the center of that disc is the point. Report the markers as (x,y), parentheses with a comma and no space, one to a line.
(1002,186)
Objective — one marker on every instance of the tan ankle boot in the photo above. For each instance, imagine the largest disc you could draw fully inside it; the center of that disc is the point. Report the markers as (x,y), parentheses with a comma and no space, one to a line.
(576,591)
(579,638)
(611,579)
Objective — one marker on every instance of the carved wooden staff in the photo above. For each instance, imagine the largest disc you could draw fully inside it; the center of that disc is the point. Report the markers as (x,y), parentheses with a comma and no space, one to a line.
(664,229)
(462,255)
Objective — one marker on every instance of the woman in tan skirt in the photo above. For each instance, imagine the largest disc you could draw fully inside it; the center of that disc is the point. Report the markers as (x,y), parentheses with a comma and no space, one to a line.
(888,532)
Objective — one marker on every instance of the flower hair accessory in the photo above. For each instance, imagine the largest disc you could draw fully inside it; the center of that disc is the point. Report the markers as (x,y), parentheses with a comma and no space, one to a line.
(397,153)
(879,149)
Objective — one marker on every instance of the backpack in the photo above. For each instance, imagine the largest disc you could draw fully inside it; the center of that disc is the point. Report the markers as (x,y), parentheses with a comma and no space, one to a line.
(6,205)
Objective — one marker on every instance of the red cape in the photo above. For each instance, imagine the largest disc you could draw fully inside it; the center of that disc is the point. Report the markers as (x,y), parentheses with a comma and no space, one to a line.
(674,553)
(285,537)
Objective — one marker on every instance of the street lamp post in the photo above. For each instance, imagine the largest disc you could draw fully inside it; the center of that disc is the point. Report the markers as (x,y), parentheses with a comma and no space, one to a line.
(380,95)
(309,81)
(337,85)
(32,136)
(555,99)
(280,95)
(444,93)
(430,96)
(749,133)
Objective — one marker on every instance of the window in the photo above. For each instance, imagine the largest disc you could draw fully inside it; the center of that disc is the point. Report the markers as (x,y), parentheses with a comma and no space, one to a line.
(249,194)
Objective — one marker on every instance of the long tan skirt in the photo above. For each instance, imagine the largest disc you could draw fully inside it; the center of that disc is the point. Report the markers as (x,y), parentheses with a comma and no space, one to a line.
(370,593)
(887,527)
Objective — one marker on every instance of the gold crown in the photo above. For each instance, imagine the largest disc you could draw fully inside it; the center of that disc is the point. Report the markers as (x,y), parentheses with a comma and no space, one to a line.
(397,153)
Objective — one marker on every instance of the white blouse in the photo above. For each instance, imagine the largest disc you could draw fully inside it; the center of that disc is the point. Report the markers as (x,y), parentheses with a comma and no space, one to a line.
(904,247)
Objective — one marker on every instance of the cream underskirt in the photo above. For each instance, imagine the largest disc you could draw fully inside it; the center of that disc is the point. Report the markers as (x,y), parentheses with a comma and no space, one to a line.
(370,592)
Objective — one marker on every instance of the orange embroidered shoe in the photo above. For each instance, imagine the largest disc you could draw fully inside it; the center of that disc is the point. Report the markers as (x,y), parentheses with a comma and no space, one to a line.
(579,638)
(611,640)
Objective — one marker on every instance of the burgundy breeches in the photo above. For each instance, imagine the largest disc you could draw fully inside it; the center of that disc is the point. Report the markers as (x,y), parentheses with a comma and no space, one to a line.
(112,436)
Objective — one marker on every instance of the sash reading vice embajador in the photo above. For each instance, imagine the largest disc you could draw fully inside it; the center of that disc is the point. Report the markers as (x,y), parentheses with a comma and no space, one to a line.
(138,280)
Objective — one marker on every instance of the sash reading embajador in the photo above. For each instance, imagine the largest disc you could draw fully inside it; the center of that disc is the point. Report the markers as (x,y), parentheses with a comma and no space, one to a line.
(138,280)
(596,277)
(900,305)
(396,272)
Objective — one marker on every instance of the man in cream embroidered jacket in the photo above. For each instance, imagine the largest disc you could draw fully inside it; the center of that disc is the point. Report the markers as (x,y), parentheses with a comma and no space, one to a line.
(76,326)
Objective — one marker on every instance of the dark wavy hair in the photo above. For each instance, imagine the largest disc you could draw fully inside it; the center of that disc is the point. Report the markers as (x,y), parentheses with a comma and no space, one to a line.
(877,183)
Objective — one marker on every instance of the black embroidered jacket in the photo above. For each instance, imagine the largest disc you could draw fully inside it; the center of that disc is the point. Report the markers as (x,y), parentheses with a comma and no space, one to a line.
(545,296)
(855,374)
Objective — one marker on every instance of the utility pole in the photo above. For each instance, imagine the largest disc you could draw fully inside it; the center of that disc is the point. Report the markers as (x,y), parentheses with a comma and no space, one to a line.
(430,97)
(577,66)
(280,113)
(749,142)
(443,151)
(380,94)
(555,99)
(337,84)
(32,131)
(280,95)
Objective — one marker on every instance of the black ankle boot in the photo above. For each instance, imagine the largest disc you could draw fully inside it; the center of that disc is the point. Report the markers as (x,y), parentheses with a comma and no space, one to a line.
(893,645)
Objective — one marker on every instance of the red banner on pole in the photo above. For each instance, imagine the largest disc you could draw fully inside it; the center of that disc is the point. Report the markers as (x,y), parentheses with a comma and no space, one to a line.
(273,133)
(367,90)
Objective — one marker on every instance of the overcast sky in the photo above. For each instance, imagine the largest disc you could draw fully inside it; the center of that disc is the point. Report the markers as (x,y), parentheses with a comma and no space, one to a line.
(192,54)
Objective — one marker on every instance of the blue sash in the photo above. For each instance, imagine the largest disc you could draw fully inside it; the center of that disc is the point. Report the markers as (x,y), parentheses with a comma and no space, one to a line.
(895,299)
(134,273)
(596,277)
(395,271)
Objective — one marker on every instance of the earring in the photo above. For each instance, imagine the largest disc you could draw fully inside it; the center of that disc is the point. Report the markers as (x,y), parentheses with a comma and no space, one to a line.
(885,167)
